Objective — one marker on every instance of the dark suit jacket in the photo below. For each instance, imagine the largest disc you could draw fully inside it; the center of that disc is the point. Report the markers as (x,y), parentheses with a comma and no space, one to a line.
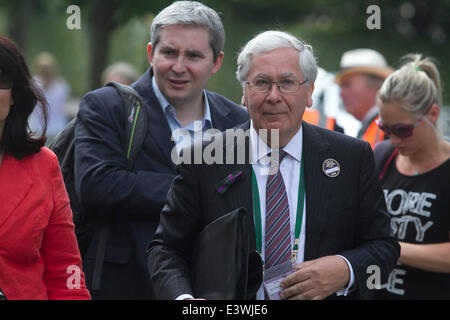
(133,198)
(345,215)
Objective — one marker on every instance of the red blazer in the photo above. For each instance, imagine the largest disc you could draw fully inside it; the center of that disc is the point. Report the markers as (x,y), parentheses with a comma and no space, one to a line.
(39,256)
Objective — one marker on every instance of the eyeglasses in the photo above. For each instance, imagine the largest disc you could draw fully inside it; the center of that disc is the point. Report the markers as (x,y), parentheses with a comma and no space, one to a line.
(263,85)
(400,130)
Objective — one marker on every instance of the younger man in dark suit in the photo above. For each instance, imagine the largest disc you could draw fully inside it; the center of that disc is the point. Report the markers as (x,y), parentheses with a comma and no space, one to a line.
(322,209)
(185,51)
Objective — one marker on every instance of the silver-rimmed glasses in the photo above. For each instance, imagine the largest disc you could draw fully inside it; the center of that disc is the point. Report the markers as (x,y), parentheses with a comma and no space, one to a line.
(264,85)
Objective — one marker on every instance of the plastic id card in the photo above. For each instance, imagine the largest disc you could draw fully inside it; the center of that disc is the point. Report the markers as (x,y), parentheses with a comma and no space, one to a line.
(273,278)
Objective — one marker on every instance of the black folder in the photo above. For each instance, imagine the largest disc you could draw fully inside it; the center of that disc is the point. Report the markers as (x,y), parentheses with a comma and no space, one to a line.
(222,266)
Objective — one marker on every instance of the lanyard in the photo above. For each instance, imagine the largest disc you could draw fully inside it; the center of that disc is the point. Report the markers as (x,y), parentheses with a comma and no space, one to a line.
(298,219)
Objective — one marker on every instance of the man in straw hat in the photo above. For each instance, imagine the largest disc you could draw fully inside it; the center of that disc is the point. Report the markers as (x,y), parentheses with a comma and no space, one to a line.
(362,74)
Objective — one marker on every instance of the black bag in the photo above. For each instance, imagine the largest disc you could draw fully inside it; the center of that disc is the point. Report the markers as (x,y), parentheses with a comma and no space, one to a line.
(222,266)
(63,146)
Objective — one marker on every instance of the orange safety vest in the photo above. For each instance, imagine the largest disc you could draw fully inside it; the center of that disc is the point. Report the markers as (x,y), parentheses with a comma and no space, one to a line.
(313,116)
(373,134)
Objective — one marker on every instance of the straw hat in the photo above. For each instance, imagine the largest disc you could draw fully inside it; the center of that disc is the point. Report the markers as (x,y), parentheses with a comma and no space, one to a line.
(366,61)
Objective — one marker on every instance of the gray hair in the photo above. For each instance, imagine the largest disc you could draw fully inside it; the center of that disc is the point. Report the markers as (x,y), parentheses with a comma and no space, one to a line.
(190,13)
(271,40)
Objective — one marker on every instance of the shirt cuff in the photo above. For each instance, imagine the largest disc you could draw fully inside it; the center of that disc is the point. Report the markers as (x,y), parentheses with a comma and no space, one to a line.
(184,296)
(345,291)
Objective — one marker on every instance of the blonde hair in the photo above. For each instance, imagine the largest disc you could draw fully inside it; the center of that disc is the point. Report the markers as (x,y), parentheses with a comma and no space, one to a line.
(416,85)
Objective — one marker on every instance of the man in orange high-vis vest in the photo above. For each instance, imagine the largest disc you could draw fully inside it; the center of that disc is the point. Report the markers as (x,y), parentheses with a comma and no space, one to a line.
(315,117)
(372,133)
(362,74)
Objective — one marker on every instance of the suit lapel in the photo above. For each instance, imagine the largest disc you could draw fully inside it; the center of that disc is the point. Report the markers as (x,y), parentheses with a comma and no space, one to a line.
(244,190)
(219,113)
(317,188)
(242,197)
(245,200)
(13,192)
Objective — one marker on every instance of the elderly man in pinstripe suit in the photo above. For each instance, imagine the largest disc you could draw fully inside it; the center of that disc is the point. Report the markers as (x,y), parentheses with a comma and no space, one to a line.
(323,209)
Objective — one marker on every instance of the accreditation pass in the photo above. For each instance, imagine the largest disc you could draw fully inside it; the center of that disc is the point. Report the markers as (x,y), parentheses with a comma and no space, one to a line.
(273,278)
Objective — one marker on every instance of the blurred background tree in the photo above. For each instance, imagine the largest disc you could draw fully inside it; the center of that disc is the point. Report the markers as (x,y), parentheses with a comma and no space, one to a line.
(113,30)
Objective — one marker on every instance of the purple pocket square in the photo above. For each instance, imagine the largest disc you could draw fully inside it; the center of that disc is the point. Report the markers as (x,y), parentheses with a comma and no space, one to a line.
(226,182)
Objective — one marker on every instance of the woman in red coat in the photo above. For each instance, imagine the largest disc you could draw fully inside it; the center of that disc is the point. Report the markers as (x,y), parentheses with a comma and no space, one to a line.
(39,256)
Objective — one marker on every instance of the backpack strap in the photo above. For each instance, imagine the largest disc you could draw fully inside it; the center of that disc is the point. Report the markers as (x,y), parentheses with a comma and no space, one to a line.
(135,132)
(136,122)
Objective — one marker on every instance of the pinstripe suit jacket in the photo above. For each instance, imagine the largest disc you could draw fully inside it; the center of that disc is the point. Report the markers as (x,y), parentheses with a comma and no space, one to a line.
(346,215)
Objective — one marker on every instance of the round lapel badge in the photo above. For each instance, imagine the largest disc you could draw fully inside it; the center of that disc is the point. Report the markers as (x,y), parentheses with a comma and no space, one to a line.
(331,168)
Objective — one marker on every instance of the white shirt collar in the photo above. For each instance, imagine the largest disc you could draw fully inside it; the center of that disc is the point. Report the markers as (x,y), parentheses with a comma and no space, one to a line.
(260,149)
(166,106)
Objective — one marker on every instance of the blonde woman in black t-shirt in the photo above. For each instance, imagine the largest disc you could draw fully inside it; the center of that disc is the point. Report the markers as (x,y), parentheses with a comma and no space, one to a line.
(415,179)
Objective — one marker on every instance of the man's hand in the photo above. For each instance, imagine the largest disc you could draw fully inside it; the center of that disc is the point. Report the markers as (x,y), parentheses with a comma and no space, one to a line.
(316,279)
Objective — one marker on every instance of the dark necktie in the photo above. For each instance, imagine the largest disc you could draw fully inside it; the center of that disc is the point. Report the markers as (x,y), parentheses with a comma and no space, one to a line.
(278,240)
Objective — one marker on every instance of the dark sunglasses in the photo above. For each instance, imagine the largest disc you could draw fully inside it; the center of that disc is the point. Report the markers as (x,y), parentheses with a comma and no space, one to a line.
(6,81)
(400,130)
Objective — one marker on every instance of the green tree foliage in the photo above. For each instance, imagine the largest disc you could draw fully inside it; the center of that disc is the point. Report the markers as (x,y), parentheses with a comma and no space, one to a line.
(118,29)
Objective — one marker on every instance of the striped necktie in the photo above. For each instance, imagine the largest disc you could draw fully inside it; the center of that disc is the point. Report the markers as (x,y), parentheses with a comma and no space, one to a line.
(278,240)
